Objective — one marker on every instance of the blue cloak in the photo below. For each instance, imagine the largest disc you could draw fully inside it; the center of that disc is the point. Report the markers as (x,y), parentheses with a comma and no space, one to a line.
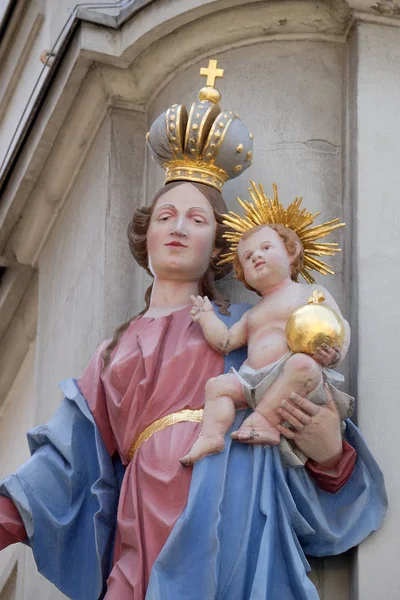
(244,534)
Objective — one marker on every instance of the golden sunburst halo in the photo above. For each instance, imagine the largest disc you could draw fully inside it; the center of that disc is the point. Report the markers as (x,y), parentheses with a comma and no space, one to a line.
(264,211)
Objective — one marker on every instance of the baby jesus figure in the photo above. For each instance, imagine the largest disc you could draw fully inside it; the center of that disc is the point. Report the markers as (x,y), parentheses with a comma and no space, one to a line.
(268,260)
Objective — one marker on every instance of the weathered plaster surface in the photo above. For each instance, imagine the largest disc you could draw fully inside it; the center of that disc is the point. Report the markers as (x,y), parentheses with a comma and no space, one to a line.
(17,415)
(88,281)
(17,338)
(378,251)
(290,97)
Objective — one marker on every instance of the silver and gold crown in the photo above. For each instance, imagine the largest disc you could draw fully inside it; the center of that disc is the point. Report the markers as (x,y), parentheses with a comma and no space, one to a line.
(207,146)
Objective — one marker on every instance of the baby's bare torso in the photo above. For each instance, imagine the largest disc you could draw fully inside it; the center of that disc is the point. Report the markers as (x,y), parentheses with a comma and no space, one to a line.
(267,324)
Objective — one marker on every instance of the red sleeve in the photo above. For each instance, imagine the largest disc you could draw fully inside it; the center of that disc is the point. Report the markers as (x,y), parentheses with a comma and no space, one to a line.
(12,529)
(331,478)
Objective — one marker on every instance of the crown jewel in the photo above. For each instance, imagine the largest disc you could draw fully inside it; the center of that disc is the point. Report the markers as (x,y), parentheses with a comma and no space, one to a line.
(207,145)
(264,210)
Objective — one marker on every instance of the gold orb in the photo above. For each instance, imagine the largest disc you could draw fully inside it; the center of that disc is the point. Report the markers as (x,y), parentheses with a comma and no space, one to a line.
(311,326)
(210,94)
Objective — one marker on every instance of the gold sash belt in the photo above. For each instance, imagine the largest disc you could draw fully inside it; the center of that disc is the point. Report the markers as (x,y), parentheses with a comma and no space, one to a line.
(194,416)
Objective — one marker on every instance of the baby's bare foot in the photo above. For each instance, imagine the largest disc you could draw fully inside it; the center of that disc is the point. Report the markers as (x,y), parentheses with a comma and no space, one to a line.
(256,429)
(203,446)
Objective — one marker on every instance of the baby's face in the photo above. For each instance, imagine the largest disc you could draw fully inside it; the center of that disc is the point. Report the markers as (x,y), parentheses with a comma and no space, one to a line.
(264,259)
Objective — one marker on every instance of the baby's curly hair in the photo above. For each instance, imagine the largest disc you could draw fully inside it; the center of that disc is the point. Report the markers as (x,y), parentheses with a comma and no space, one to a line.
(290,239)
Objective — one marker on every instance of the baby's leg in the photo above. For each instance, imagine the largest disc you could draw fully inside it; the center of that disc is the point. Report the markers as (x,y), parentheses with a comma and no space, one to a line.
(301,374)
(223,395)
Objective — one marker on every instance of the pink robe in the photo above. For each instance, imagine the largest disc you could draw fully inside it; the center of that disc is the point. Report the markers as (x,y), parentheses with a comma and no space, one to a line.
(159,367)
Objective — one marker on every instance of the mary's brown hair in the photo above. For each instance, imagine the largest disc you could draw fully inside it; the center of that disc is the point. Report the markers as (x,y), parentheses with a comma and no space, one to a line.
(137,237)
(291,241)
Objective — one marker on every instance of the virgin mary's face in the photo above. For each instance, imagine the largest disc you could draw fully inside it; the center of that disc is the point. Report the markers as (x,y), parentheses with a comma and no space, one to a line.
(181,234)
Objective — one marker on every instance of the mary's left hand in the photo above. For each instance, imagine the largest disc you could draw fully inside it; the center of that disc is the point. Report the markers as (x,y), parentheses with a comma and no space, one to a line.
(316,428)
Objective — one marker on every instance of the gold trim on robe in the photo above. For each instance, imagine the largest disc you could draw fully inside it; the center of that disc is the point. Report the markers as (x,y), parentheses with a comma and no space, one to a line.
(185,415)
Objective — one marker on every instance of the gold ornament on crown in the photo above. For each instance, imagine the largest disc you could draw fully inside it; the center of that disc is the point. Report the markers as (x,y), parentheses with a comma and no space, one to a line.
(265,211)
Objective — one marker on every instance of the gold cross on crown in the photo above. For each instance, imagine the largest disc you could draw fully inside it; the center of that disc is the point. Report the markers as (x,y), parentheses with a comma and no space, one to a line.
(211,72)
(316,297)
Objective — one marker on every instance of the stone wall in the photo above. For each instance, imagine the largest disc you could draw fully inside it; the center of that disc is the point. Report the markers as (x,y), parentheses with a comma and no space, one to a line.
(377,246)
(17,415)
(88,281)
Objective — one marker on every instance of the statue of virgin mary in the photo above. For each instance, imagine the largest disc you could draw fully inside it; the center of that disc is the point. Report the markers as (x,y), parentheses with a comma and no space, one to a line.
(103,501)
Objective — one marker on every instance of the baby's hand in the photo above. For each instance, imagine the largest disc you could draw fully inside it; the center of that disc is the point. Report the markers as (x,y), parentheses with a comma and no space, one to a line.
(327,356)
(200,306)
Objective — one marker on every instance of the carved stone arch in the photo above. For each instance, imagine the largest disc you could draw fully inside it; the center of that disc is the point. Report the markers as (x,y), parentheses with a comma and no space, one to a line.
(153,53)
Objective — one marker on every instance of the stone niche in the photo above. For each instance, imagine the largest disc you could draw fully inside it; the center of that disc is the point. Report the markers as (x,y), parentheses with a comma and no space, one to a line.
(290,95)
